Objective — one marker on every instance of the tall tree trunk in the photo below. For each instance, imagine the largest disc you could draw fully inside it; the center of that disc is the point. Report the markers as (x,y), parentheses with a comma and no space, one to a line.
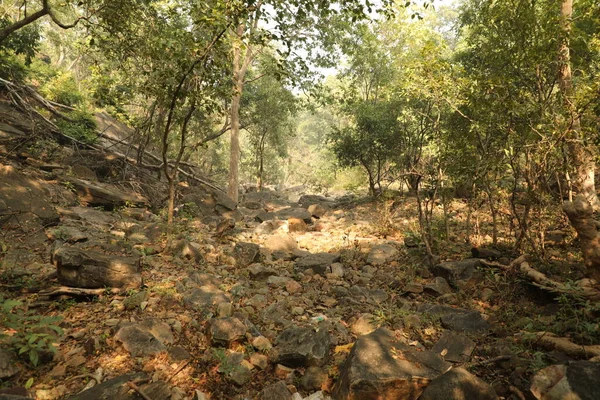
(581,154)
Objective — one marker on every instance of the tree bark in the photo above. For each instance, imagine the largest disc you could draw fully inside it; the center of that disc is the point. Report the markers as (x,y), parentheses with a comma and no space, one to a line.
(581,154)
(4,33)
(581,216)
(238,86)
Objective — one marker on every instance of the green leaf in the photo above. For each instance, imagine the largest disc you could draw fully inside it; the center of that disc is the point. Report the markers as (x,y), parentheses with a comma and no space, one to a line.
(29,383)
(34,357)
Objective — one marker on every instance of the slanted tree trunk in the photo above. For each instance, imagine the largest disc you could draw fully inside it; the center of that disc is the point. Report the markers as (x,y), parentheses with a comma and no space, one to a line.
(580,153)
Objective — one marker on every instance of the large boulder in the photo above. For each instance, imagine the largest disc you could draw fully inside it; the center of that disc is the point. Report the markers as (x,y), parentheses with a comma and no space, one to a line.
(91,269)
(458,384)
(104,195)
(381,367)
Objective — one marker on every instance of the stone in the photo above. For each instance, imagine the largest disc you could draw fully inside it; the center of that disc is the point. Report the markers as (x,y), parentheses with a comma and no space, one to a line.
(296,225)
(318,396)
(276,391)
(226,330)
(262,343)
(487,294)
(302,346)
(578,381)
(456,319)
(454,347)
(281,242)
(260,361)
(318,210)
(318,262)
(314,378)
(454,271)
(293,287)
(8,366)
(90,269)
(294,212)
(139,342)
(67,234)
(381,367)
(188,250)
(364,325)
(114,389)
(104,195)
(240,375)
(245,253)
(278,281)
(437,287)
(224,309)
(337,269)
(381,254)
(458,384)
(413,287)
(135,300)
(259,272)
(283,372)
(204,297)
(21,194)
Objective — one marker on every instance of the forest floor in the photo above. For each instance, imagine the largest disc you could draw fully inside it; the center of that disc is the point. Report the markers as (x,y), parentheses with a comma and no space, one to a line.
(229,311)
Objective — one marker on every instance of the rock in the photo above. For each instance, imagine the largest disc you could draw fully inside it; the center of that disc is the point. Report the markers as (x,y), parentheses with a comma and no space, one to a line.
(337,269)
(224,309)
(226,330)
(293,287)
(8,366)
(437,287)
(266,227)
(240,375)
(380,367)
(262,343)
(276,391)
(488,254)
(302,346)
(283,372)
(456,319)
(413,287)
(67,234)
(260,361)
(91,269)
(83,172)
(318,396)
(458,384)
(278,281)
(364,325)
(114,389)
(22,194)
(296,225)
(285,214)
(314,378)
(246,253)
(139,342)
(188,250)
(454,271)
(454,347)
(204,298)
(281,242)
(308,199)
(259,272)
(318,262)
(105,195)
(487,294)
(135,300)
(318,210)
(381,254)
(577,380)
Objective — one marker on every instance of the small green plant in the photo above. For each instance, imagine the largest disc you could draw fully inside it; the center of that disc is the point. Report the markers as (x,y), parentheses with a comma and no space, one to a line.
(81,126)
(28,334)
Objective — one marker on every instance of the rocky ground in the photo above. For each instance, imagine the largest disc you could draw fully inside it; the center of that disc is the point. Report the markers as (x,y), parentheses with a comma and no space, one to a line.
(279,297)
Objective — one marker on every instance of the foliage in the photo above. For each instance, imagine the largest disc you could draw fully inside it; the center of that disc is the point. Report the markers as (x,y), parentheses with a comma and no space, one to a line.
(81,126)
(23,42)
(28,334)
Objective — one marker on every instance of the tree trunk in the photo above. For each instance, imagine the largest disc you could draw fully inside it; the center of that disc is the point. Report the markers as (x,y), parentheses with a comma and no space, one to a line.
(581,216)
(581,154)
(238,86)
(4,33)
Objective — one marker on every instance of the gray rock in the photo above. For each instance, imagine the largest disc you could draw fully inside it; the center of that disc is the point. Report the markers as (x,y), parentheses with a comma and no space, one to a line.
(226,330)
(318,262)
(8,366)
(203,279)
(204,298)
(456,319)
(318,210)
(437,287)
(381,254)
(278,281)
(105,195)
(458,384)
(139,342)
(259,272)
(113,389)
(68,234)
(91,269)
(302,346)
(454,271)
(246,253)
(454,347)
(380,367)
(276,391)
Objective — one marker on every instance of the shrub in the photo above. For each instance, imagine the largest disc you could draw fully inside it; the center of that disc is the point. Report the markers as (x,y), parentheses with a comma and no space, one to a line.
(82,127)
(62,89)
(28,334)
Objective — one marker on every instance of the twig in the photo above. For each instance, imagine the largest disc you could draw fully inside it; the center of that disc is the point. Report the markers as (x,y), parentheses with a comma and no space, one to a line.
(139,390)
(185,364)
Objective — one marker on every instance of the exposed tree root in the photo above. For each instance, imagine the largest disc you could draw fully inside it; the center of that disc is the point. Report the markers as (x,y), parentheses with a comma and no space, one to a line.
(550,341)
